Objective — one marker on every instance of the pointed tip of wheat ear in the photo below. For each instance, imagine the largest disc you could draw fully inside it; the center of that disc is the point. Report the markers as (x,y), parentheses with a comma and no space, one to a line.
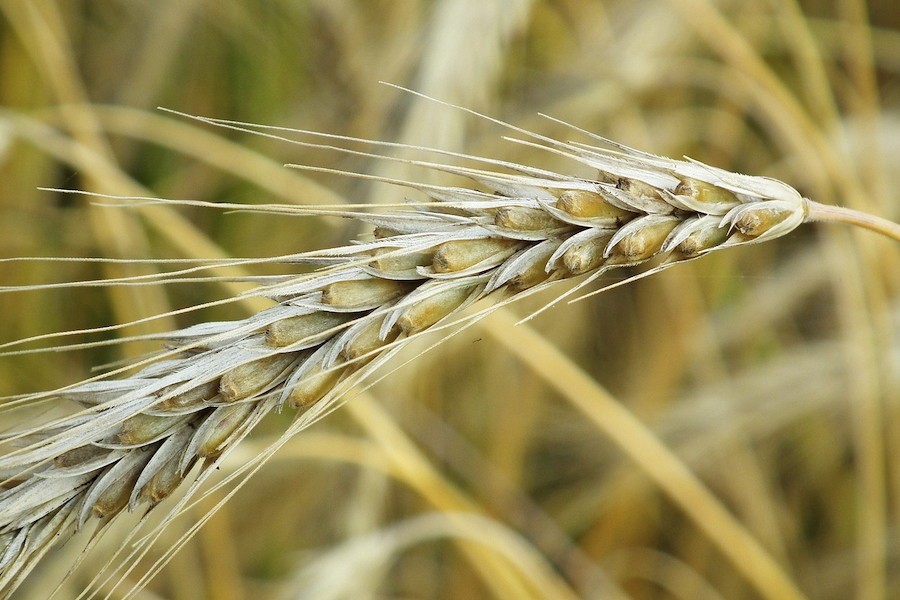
(139,438)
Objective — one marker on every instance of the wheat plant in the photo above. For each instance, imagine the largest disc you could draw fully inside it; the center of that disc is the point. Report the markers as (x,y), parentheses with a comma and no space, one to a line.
(443,291)
(141,435)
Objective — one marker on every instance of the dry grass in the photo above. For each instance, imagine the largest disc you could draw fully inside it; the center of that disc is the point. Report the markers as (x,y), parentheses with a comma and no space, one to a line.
(760,383)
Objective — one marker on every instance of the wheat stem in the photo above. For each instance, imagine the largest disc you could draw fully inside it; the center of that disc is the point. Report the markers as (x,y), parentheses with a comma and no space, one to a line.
(826,213)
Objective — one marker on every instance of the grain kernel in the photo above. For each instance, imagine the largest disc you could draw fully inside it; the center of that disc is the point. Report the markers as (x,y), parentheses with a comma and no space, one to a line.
(366,340)
(314,386)
(534,273)
(587,255)
(78,456)
(753,223)
(304,328)
(428,311)
(164,482)
(220,425)
(361,294)
(119,482)
(644,242)
(585,204)
(390,260)
(251,378)
(705,193)
(462,254)
(143,429)
(522,218)
(638,188)
(701,240)
(191,398)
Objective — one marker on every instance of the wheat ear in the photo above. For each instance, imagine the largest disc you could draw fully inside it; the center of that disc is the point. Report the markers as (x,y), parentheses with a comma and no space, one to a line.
(140,436)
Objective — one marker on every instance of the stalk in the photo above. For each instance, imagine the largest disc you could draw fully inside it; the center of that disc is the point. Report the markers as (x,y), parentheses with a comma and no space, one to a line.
(825,213)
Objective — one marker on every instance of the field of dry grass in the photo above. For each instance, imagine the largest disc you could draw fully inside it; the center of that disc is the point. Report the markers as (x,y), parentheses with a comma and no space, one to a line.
(726,429)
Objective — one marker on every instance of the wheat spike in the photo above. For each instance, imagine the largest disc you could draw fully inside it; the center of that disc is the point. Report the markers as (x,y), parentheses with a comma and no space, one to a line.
(139,437)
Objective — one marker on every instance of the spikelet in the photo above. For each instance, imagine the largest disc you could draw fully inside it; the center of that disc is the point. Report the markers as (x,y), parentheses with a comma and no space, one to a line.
(140,437)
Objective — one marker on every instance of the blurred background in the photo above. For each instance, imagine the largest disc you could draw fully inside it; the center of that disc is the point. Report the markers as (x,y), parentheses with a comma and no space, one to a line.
(771,372)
